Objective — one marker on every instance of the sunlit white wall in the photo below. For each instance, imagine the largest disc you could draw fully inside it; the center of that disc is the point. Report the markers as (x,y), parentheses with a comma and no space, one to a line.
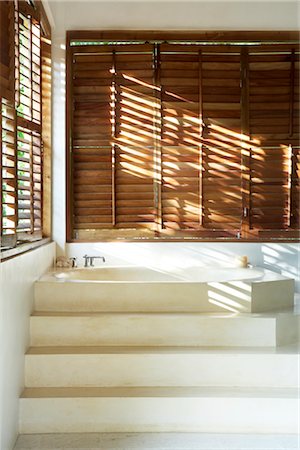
(282,258)
(189,15)
(58,140)
(17,276)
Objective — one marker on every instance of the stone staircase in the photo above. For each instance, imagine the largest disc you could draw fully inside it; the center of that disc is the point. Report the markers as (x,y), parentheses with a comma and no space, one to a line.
(184,371)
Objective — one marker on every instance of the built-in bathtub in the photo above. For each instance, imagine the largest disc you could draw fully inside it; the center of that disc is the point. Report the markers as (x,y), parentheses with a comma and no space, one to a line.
(146,289)
(142,274)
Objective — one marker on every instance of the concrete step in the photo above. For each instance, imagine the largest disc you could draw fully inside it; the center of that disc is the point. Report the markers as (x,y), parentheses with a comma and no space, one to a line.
(270,291)
(222,410)
(157,441)
(160,366)
(163,329)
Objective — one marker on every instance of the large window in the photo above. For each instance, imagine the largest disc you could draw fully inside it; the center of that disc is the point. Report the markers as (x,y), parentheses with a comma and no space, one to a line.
(25,118)
(180,139)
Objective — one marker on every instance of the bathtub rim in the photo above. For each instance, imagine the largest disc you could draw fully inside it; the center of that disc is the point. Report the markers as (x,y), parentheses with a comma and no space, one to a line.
(260,274)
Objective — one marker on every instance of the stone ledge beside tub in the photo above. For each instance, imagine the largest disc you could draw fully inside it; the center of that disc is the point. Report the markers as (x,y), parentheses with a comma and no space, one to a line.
(197,290)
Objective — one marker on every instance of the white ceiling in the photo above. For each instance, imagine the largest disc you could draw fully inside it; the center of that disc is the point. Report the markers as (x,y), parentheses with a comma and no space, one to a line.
(174,14)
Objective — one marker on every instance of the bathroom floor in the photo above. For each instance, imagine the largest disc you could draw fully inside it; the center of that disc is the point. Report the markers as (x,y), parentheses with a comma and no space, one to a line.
(157,441)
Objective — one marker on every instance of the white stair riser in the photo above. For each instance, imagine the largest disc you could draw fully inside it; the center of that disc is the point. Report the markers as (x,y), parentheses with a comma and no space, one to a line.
(271,296)
(156,414)
(151,330)
(144,296)
(288,329)
(126,297)
(182,369)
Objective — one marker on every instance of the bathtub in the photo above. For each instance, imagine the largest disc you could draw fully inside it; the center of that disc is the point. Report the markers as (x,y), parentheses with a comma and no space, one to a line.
(143,289)
(142,274)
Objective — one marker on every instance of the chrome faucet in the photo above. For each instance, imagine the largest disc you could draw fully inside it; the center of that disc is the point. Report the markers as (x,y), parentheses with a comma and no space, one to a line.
(89,260)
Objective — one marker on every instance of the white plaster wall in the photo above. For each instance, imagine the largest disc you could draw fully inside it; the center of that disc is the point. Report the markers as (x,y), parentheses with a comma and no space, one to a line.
(282,258)
(17,276)
(189,15)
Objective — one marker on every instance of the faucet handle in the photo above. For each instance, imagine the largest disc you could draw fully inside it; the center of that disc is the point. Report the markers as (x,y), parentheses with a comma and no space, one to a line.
(73,260)
(86,258)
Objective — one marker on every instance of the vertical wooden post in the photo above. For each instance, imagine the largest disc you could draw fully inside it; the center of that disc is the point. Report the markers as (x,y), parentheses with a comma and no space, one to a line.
(16,53)
(1,165)
(292,94)
(114,134)
(69,144)
(31,153)
(41,140)
(200,100)
(157,118)
(292,159)
(15,186)
(30,133)
(290,184)
(16,46)
(46,137)
(245,144)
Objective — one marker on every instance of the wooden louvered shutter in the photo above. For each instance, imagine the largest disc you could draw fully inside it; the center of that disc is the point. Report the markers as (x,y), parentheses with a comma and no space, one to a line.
(274,132)
(222,141)
(112,137)
(29,119)
(91,144)
(180,137)
(7,50)
(201,148)
(22,159)
(183,140)
(134,136)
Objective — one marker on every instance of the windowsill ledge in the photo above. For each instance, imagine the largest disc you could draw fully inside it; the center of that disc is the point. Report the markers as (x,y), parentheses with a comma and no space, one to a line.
(22,248)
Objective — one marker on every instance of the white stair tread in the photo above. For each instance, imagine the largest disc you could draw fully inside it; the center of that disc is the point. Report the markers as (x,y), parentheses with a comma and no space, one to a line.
(146,313)
(295,311)
(154,392)
(98,350)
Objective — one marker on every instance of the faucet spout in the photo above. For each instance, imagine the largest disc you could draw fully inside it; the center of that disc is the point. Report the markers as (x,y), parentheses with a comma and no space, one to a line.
(95,257)
(89,260)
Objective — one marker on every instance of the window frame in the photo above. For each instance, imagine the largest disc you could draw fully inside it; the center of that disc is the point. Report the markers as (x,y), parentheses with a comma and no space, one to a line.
(19,242)
(235,37)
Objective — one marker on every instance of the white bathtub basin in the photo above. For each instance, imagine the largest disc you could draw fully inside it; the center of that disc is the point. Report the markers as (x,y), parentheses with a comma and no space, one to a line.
(142,274)
(115,274)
